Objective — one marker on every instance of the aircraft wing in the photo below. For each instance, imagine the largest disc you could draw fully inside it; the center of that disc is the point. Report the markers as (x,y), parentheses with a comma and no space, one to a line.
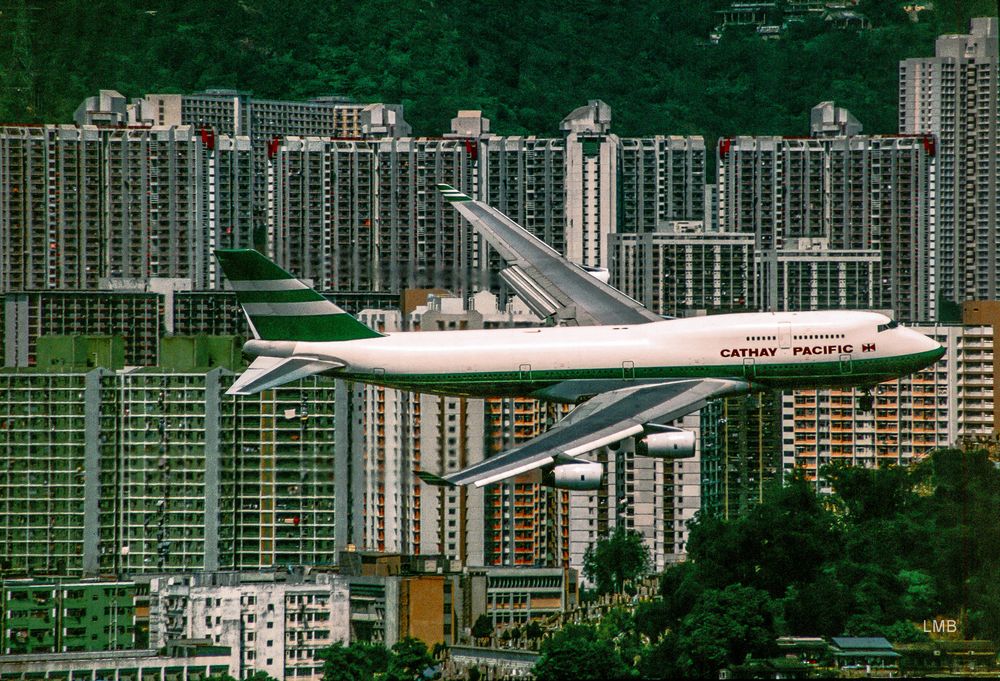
(549,283)
(605,419)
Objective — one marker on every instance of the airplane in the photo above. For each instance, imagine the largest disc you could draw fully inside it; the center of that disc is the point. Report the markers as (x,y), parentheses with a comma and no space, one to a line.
(630,370)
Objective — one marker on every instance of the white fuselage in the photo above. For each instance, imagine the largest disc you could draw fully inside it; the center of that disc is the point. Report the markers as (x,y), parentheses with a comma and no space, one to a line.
(783,349)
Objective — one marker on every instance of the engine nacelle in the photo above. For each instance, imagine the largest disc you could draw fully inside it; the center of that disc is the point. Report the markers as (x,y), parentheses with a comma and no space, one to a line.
(578,476)
(665,442)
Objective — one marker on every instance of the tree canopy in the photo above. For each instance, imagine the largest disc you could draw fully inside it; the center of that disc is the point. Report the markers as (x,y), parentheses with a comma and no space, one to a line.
(612,562)
(525,63)
(407,660)
(889,548)
(578,653)
(353,662)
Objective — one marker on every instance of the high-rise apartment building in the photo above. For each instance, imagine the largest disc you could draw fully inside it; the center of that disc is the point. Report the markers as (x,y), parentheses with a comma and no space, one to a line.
(684,268)
(661,180)
(525,179)
(44,423)
(740,452)
(234,112)
(87,203)
(367,215)
(263,122)
(134,316)
(146,470)
(422,242)
(857,193)
(953,100)
(524,523)
(591,190)
(323,223)
(811,276)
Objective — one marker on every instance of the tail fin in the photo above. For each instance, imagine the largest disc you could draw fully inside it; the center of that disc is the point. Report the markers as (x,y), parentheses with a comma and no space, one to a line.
(280,307)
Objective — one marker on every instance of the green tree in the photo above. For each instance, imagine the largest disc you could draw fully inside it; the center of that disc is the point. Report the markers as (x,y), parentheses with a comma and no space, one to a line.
(817,608)
(680,587)
(576,653)
(661,660)
(355,662)
(618,627)
(724,627)
(261,676)
(534,630)
(765,549)
(652,619)
(409,660)
(613,562)
(483,628)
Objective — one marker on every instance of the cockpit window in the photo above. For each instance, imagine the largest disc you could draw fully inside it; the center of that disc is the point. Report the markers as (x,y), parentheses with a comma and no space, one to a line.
(885,327)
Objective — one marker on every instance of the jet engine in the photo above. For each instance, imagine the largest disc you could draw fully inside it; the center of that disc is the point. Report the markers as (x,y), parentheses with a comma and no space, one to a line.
(579,476)
(665,442)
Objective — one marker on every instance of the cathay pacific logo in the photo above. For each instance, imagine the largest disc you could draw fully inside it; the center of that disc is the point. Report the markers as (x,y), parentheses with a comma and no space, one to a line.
(797,351)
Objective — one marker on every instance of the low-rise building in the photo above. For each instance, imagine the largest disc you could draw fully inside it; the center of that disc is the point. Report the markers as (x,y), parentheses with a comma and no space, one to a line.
(46,616)
(179,661)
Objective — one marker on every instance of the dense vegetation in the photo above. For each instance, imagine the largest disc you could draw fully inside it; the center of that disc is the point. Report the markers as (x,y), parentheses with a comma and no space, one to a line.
(892,547)
(525,63)
(611,563)
(407,660)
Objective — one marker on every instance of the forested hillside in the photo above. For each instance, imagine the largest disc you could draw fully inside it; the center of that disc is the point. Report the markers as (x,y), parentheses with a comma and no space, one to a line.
(525,63)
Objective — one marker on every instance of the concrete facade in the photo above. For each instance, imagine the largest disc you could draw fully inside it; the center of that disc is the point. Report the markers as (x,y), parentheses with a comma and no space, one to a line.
(87,203)
(951,99)
(853,193)
(153,470)
(684,269)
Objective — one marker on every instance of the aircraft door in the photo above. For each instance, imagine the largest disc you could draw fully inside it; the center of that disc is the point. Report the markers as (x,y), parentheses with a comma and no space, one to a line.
(749,367)
(524,372)
(784,335)
(845,364)
(628,370)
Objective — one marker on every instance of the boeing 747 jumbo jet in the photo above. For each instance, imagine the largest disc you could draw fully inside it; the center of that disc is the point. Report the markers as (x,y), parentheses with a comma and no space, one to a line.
(632,369)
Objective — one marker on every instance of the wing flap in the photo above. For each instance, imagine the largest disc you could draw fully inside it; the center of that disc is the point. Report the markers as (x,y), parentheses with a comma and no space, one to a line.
(607,418)
(270,372)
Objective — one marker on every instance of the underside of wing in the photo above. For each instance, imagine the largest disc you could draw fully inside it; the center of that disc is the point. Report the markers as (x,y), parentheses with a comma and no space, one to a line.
(605,419)
(270,372)
(549,283)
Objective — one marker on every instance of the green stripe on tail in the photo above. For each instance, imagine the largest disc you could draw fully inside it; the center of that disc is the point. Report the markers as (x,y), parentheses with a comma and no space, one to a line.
(280,307)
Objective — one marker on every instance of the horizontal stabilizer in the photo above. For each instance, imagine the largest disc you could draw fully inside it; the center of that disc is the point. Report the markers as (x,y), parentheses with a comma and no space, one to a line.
(270,372)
